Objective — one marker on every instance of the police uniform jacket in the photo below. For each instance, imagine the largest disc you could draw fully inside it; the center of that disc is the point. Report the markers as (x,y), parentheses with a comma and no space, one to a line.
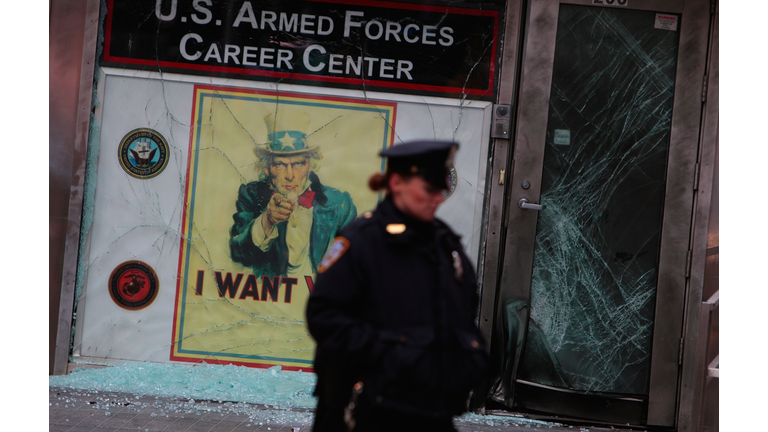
(395,308)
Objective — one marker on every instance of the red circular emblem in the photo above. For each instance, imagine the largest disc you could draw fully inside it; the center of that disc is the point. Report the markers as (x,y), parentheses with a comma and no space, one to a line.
(133,285)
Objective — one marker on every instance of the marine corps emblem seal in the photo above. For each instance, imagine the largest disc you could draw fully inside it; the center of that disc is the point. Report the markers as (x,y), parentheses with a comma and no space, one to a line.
(133,285)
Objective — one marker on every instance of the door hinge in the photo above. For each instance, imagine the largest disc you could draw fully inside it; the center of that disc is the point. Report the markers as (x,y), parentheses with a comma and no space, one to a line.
(680,353)
(704,89)
(696,174)
(688,260)
(501,176)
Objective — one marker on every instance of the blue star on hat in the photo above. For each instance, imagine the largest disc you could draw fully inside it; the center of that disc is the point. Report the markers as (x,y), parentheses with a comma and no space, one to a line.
(286,141)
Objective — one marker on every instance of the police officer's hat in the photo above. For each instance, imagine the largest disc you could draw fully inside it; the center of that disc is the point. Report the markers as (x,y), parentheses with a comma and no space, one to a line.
(429,159)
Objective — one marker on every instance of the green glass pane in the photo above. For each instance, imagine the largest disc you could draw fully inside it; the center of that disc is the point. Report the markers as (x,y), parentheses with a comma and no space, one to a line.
(597,242)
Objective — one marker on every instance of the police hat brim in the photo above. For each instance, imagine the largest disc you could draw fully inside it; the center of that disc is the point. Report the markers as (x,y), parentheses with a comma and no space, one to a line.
(427,159)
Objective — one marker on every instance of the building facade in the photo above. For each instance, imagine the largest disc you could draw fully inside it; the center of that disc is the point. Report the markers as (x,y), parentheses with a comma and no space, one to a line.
(585,189)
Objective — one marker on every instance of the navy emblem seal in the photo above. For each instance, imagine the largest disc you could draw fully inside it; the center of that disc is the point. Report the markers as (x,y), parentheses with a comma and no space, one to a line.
(143,153)
(133,285)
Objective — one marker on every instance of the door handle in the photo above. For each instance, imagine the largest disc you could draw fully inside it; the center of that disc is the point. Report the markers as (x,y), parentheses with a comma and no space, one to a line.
(524,204)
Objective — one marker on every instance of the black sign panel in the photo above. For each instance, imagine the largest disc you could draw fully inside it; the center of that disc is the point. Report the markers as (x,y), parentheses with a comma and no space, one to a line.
(387,46)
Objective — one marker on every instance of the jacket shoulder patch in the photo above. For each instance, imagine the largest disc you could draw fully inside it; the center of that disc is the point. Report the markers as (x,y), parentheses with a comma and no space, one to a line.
(337,249)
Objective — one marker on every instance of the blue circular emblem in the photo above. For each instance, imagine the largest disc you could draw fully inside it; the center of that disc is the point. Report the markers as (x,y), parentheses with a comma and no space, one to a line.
(143,153)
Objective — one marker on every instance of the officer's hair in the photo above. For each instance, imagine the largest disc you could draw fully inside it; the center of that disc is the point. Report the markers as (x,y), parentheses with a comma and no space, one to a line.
(378,181)
(263,162)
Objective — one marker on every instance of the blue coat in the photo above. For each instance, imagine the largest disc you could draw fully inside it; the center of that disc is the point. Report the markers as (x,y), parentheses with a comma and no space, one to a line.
(331,210)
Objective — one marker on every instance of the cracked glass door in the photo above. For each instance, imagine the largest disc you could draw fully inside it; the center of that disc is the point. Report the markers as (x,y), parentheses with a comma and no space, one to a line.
(586,211)
(597,242)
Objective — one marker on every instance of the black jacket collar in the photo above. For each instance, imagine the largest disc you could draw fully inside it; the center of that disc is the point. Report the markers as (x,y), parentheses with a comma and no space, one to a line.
(388,214)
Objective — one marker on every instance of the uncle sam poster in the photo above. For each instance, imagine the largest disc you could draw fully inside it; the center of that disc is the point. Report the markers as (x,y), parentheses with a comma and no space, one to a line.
(271,178)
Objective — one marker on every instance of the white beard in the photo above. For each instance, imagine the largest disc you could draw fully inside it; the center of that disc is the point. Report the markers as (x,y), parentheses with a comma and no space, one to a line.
(293,198)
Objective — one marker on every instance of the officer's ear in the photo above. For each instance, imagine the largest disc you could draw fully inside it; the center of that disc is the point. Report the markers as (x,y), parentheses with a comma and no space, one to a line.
(396,182)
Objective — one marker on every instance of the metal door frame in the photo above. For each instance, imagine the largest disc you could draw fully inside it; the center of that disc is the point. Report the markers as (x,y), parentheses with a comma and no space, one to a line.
(500,154)
(530,123)
(85,50)
(694,375)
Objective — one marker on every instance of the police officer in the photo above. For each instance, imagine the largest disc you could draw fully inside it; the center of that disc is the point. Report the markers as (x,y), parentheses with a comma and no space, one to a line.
(393,307)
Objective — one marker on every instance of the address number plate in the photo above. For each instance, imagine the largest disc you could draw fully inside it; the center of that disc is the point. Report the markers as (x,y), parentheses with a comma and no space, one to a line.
(611,2)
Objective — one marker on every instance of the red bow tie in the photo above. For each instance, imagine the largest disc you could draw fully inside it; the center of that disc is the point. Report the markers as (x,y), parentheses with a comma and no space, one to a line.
(306,198)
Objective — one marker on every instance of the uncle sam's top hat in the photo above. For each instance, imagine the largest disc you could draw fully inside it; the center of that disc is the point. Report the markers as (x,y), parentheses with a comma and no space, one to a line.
(287,137)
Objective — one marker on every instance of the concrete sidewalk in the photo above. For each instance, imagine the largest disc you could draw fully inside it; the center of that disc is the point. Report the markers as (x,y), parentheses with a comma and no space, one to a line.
(74,410)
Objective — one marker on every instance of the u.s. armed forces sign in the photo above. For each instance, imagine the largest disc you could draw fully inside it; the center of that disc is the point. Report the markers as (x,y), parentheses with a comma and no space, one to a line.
(387,46)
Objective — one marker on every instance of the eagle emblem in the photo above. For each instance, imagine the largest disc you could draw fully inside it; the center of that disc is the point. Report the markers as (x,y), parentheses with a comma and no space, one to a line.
(143,153)
(133,285)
